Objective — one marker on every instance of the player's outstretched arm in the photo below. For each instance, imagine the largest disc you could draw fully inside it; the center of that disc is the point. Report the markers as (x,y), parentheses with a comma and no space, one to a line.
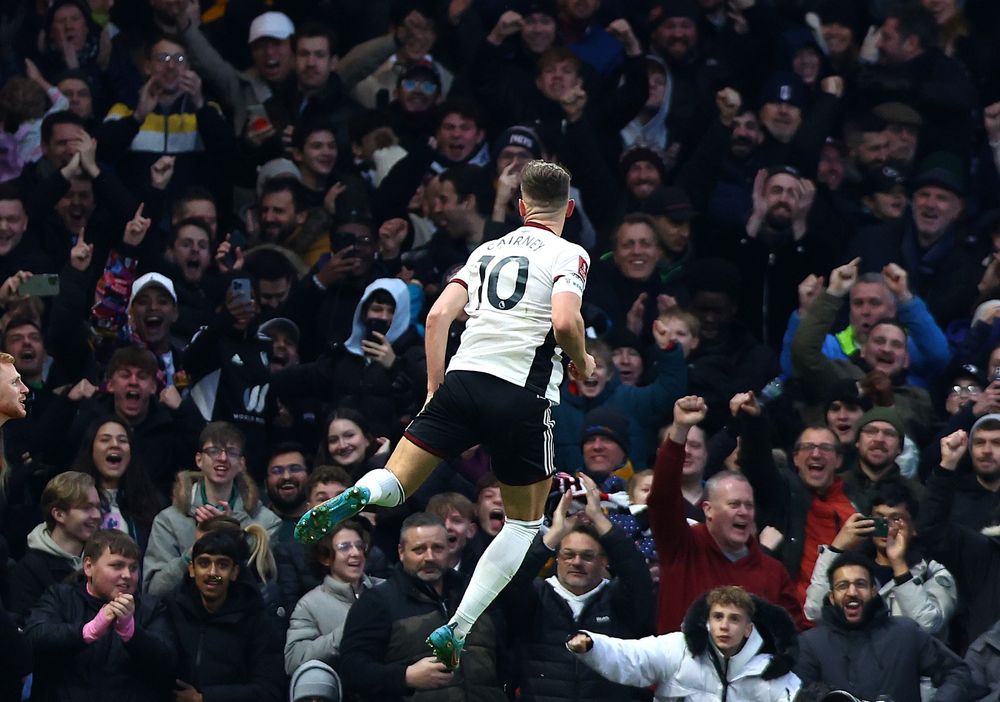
(445,310)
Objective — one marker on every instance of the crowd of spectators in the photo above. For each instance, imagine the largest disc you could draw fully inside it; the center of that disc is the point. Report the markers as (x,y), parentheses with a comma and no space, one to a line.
(222,225)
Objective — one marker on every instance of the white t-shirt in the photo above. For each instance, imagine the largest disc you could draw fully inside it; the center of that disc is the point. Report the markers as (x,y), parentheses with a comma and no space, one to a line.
(510,282)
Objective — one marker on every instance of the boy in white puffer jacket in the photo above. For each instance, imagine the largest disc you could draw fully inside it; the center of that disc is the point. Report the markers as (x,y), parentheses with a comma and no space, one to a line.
(733,647)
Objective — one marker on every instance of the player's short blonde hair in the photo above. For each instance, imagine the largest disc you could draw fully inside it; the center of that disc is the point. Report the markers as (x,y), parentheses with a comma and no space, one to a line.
(6,358)
(545,184)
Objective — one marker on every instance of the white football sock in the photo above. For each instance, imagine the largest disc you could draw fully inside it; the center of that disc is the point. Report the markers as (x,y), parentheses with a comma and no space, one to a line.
(384,488)
(499,562)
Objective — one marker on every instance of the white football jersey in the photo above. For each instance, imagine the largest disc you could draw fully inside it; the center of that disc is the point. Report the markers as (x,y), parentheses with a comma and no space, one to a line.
(510,282)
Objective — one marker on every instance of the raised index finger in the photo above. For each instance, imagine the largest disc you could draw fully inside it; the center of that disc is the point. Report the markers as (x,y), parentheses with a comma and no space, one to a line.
(138,212)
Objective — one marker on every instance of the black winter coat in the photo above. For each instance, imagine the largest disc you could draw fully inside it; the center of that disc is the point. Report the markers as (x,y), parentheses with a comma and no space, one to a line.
(885,656)
(385,632)
(109,670)
(32,575)
(623,608)
(233,654)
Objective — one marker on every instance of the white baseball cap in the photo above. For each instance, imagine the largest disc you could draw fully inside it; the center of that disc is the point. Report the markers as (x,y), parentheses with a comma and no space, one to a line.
(273,25)
(144,281)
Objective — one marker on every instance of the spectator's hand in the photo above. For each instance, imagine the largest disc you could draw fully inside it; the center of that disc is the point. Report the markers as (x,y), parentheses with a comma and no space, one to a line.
(427,674)
(573,103)
(69,55)
(991,120)
(770,538)
(580,643)
(636,315)
(621,30)
(509,24)
(739,21)
(843,278)
(832,85)
(8,291)
(953,448)
(457,8)
(208,511)
(391,235)
(869,46)
(86,146)
(991,276)
(689,411)
(330,199)
(578,374)
(661,335)
(807,195)
(34,75)
(562,522)
(170,397)
(728,102)
(895,548)
(192,13)
(508,185)
(286,140)
(896,279)
(223,251)
(665,303)
(988,400)
(186,693)
(148,96)
(877,386)
(136,228)
(380,351)
(73,169)
(759,211)
(83,390)
(259,136)
(339,267)
(593,511)
(190,83)
(242,311)
(384,446)
(745,402)
(161,172)
(809,289)
(123,606)
(856,529)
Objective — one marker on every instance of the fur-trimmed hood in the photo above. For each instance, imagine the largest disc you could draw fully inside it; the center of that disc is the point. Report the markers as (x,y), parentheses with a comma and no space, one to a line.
(186,494)
(772,624)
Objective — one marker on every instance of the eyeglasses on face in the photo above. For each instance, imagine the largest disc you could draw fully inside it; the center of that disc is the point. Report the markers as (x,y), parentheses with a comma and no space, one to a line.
(845,585)
(809,447)
(163,57)
(348,546)
(215,452)
(427,87)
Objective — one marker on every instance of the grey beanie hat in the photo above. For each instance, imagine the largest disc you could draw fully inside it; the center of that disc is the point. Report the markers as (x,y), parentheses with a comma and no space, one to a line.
(315,679)
(992,417)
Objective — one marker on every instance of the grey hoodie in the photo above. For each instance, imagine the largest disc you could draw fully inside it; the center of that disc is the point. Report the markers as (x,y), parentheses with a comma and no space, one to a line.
(41,540)
(400,318)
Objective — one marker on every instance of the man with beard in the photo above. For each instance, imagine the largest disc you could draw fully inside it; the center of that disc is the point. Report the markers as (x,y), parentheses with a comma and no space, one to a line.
(287,470)
(644,172)
(860,648)
(879,442)
(187,263)
(903,129)
(877,296)
(931,242)
(383,655)
(779,245)
(880,364)
(136,135)
(977,494)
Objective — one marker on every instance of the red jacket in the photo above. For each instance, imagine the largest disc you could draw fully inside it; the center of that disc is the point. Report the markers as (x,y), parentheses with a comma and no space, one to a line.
(691,562)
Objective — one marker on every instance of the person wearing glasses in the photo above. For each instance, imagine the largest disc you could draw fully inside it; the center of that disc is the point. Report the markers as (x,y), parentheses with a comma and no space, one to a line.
(287,470)
(910,585)
(169,117)
(806,506)
(317,624)
(219,486)
(580,595)
(860,648)
(880,443)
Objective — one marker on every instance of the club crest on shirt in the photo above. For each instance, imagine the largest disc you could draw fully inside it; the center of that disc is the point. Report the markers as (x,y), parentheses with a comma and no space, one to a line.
(582,269)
